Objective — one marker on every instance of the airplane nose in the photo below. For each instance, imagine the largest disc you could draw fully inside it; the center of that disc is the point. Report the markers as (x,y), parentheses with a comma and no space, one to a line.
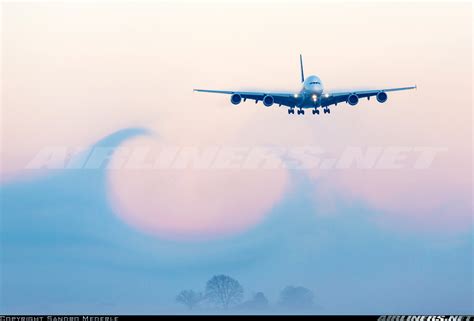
(318,89)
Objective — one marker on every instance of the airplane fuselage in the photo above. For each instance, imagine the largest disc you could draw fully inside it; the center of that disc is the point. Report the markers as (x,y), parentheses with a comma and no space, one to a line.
(310,95)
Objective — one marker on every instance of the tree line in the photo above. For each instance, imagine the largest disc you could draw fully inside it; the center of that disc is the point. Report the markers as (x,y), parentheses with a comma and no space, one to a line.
(225,292)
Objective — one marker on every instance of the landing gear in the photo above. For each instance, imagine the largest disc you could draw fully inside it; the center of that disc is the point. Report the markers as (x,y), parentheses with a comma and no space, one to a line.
(315,111)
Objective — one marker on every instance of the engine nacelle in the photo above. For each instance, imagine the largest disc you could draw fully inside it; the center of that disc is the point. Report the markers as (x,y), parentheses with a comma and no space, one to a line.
(235,99)
(268,100)
(381,97)
(353,99)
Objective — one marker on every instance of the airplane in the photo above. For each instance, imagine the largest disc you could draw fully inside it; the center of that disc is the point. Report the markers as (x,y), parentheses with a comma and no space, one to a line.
(311,96)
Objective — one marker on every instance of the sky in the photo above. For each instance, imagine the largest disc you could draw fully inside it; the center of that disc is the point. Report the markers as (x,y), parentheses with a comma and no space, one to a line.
(120,186)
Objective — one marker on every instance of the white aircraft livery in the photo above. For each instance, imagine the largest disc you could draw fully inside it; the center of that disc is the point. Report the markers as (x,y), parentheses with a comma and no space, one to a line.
(311,96)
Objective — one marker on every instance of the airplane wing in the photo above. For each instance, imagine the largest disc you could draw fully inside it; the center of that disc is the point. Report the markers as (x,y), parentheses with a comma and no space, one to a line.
(333,98)
(280,98)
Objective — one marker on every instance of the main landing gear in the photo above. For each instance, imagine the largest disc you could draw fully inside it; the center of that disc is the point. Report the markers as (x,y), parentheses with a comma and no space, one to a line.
(300,111)
(315,111)
(325,110)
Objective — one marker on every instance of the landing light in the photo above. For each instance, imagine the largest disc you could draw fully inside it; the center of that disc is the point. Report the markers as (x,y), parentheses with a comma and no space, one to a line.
(326,95)
(315,97)
(295,95)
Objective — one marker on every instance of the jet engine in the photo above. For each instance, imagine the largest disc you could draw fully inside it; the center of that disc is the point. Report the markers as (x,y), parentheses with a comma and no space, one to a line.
(235,99)
(268,100)
(381,97)
(353,99)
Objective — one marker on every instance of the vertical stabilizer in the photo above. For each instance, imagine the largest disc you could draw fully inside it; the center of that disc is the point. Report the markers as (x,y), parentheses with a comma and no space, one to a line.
(301,66)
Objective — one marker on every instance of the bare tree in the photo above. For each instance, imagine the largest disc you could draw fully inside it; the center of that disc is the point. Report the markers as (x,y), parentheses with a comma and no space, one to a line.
(189,298)
(224,291)
(296,297)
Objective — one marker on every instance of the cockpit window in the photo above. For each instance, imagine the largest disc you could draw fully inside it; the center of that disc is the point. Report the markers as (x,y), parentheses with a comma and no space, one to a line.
(314,83)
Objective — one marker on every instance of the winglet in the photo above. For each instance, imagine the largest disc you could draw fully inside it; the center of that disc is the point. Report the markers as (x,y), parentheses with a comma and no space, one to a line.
(301,66)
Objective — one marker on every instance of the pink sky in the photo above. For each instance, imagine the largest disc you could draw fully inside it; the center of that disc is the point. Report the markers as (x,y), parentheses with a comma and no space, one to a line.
(73,73)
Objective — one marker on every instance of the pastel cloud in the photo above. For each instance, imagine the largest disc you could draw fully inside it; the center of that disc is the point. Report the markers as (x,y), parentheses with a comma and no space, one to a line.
(410,200)
(189,203)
